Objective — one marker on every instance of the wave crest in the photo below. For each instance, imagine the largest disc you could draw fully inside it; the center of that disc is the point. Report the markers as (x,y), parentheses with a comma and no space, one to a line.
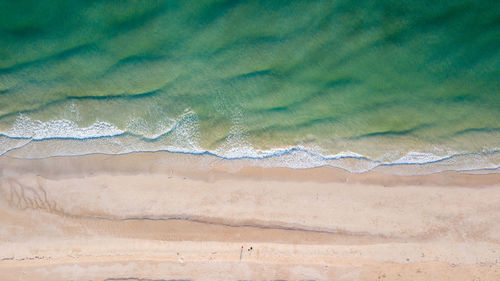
(27,128)
(29,138)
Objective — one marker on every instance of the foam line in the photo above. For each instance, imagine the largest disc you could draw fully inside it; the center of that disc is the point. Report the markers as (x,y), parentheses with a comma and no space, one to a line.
(184,138)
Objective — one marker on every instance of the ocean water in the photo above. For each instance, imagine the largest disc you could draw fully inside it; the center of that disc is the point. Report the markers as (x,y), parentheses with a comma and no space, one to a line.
(353,84)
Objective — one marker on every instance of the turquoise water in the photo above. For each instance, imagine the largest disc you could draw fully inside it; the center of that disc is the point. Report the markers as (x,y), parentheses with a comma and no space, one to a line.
(389,81)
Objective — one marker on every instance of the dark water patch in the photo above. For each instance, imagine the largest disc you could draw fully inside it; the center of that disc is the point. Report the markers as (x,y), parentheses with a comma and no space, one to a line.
(138,14)
(253,74)
(119,96)
(283,126)
(52,58)
(388,133)
(24,31)
(61,26)
(245,42)
(278,109)
(465,98)
(335,61)
(24,18)
(136,59)
(211,12)
(439,17)
(63,100)
(327,91)
(478,130)
(342,82)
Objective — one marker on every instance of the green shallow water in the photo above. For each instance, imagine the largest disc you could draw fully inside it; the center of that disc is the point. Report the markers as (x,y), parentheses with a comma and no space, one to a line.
(376,78)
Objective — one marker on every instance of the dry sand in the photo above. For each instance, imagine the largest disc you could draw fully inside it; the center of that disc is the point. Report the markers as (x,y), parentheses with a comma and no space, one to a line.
(158,216)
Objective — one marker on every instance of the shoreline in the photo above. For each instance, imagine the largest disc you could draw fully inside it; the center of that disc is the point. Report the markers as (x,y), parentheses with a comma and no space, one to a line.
(294,157)
(210,168)
(89,217)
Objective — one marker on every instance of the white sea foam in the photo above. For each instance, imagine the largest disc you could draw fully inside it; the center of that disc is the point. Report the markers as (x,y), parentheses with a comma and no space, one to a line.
(25,127)
(345,154)
(151,122)
(67,138)
(185,135)
(237,143)
(7,144)
(140,126)
(414,157)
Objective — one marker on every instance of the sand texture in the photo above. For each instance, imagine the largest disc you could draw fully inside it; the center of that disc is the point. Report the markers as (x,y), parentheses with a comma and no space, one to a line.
(148,216)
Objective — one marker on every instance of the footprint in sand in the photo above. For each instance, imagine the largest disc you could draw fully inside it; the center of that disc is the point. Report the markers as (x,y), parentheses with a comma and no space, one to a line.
(180,258)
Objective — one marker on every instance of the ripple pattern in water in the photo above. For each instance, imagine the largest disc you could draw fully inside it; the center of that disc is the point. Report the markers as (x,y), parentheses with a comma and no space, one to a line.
(392,81)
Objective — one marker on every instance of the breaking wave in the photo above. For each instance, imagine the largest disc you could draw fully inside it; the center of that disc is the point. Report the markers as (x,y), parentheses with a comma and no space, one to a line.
(37,139)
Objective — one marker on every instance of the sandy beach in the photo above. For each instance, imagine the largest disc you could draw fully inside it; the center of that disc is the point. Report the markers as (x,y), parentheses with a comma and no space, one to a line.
(158,216)
(249,140)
